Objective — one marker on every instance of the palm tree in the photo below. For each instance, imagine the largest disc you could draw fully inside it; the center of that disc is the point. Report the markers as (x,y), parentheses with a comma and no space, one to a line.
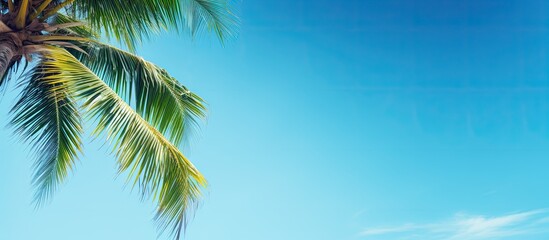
(142,111)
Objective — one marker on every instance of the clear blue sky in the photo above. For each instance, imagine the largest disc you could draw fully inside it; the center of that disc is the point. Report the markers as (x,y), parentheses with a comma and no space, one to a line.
(337,120)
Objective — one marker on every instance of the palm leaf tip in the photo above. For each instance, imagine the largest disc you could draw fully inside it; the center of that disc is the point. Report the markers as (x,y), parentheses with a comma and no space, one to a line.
(215,15)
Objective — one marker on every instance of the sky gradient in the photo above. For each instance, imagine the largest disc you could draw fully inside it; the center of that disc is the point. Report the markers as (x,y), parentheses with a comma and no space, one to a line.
(336,120)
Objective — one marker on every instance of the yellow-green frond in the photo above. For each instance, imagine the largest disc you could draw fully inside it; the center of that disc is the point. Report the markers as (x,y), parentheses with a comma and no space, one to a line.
(157,96)
(154,164)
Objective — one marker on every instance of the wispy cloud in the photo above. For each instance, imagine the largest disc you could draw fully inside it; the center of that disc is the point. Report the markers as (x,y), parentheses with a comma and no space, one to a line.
(469,227)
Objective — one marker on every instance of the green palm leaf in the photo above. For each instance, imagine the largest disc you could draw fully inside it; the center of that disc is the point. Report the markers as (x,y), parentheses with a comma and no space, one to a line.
(83,30)
(214,15)
(47,117)
(143,18)
(153,163)
(158,97)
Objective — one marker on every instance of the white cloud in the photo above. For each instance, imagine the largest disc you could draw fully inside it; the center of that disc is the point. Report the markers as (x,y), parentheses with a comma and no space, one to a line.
(379,231)
(469,227)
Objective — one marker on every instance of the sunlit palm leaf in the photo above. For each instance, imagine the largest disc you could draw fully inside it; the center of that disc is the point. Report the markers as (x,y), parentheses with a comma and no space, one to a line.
(155,165)
(158,97)
(47,117)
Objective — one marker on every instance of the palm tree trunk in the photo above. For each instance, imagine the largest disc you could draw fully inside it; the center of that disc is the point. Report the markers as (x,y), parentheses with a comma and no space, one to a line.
(8,50)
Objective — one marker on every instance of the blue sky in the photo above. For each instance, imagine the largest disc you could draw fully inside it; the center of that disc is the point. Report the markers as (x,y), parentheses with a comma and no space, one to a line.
(336,120)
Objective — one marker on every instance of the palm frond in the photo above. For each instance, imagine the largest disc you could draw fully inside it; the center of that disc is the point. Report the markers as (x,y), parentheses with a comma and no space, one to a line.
(214,15)
(46,116)
(16,65)
(153,163)
(134,21)
(4,79)
(83,30)
(158,97)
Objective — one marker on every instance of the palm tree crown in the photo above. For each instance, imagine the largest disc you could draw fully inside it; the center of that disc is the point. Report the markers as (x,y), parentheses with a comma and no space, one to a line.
(142,110)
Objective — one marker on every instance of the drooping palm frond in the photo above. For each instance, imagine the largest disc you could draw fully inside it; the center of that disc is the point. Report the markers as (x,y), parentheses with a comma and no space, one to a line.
(46,117)
(156,166)
(159,98)
(143,18)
